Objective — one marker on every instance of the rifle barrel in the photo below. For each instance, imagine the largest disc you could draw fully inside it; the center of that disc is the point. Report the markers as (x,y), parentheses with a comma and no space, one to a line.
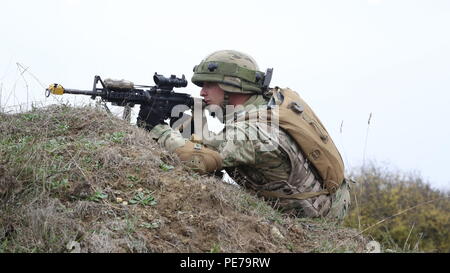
(81,92)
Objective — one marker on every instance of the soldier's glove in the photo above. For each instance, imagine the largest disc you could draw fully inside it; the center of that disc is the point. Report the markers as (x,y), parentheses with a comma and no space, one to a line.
(150,115)
(199,158)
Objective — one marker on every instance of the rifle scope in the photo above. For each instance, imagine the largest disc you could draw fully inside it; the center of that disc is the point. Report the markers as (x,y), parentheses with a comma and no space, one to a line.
(169,83)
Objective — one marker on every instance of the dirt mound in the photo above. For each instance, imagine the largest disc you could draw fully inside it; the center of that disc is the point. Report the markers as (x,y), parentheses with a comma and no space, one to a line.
(80,180)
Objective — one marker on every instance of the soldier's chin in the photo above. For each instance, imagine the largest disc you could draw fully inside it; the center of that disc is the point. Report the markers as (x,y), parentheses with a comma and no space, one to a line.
(213,105)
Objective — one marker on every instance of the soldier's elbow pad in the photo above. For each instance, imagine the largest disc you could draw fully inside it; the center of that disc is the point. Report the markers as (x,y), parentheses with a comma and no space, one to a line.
(199,158)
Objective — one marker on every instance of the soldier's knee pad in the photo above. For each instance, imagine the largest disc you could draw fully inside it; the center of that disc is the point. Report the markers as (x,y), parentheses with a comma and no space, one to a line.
(199,158)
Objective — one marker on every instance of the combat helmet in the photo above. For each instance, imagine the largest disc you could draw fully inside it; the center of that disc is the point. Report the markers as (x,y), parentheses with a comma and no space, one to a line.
(234,71)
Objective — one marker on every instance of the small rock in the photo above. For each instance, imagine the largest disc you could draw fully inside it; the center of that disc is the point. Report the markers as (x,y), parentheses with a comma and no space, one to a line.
(373,247)
(276,233)
(73,247)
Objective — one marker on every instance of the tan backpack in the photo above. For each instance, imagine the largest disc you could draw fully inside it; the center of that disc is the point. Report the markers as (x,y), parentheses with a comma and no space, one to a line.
(302,124)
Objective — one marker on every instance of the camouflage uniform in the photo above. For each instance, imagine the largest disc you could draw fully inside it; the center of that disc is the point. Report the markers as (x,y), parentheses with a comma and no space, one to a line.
(265,161)
(252,165)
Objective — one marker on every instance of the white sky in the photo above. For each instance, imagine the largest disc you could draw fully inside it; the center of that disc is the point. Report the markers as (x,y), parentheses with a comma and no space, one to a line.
(346,58)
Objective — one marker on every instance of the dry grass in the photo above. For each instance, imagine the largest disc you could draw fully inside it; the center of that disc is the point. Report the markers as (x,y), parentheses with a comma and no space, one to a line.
(80,176)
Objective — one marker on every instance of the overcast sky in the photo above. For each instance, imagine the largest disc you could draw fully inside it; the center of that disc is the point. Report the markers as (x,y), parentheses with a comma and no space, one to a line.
(346,58)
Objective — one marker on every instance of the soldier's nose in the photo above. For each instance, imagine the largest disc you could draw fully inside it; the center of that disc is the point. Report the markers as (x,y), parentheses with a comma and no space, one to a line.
(203,92)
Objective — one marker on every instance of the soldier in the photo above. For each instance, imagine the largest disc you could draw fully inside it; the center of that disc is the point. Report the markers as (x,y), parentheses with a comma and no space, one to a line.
(281,174)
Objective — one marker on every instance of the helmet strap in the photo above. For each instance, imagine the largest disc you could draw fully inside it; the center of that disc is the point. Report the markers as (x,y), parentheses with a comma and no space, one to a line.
(226,101)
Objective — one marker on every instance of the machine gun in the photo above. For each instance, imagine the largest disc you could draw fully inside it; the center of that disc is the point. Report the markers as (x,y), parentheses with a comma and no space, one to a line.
(125,93)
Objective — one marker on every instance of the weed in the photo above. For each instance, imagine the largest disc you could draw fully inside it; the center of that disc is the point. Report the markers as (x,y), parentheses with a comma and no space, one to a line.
(153,225)
(62,128)
(130,226)
(98,196)
(166,167)
(4,246)
(143,198)
(328,247)
(54,145)
(117,137)
(58,184)
(290,247)
(133,178)
(215,248)
(30,117)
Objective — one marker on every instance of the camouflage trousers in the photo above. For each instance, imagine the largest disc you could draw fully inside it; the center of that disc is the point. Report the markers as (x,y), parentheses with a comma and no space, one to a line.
(340,202)
(335,206)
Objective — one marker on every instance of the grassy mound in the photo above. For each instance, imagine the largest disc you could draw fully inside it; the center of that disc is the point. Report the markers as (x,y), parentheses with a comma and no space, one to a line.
(80,180)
